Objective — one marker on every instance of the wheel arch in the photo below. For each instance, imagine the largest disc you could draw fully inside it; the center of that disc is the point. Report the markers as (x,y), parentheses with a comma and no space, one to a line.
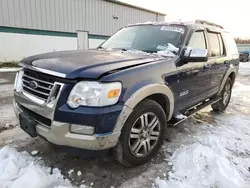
(232,76)
(156,92)
(162,100)
(153,91)
(231,73)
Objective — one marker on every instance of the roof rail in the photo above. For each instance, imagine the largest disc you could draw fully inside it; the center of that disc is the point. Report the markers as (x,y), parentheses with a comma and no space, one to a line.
(208,23)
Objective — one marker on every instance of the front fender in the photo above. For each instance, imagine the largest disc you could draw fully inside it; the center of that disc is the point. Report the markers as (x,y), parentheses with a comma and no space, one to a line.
(132,99)
(142,91)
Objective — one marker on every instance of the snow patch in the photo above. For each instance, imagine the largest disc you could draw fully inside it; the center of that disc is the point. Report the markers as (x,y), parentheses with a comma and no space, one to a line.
(200,166)
(170,51)
(70,171)
(244,69)
(213,156)
(34,152)
(138,52)
(20,170)
(79,173)
(180,116)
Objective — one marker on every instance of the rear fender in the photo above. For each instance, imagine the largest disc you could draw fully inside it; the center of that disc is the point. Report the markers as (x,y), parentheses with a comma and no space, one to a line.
(231,69)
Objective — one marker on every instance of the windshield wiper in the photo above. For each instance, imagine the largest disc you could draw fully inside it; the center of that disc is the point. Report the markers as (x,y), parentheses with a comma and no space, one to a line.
(100,47)
(125,49)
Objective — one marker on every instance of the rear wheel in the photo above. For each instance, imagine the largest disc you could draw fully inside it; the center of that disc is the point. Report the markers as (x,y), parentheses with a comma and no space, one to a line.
(222,104)
(142,134)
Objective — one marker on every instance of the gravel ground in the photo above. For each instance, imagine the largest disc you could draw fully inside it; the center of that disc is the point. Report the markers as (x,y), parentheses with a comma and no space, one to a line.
(8,118)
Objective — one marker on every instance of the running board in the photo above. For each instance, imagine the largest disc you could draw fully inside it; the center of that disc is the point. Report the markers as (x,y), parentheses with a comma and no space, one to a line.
(174,121)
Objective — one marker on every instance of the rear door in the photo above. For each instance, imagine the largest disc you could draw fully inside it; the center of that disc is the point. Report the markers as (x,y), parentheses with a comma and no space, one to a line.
(218,60)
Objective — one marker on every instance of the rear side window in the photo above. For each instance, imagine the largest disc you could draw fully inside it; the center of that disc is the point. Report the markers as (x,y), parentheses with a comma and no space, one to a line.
(214,44)
(198,40)
(222,47)
(231,43)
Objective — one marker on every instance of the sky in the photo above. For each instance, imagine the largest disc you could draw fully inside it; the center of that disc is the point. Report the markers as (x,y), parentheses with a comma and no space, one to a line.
(231,14)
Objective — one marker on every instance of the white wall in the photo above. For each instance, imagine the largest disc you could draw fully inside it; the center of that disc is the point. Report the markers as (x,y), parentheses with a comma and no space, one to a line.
(14,47)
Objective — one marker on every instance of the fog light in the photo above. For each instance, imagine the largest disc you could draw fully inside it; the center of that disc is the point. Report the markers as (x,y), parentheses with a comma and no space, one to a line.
(81,129)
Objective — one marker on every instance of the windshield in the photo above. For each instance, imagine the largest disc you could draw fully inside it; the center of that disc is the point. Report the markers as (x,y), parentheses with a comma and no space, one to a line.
(146,38)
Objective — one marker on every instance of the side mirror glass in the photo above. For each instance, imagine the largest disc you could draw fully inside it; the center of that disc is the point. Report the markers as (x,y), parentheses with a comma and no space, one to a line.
(195,55)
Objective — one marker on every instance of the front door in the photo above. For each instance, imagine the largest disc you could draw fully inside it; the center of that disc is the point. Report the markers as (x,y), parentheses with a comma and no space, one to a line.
(194,77)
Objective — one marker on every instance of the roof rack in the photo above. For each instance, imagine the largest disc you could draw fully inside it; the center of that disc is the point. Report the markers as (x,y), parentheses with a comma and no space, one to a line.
(208,23)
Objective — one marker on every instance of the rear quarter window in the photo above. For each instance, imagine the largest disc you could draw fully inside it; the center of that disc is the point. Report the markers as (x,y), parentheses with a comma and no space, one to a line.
(230,42)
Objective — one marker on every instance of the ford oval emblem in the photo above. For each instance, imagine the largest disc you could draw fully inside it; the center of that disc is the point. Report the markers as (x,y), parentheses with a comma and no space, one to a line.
(33,84)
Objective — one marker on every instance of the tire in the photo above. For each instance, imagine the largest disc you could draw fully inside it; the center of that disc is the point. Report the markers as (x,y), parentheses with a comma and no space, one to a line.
(137,143)
(222,104)
(245,58)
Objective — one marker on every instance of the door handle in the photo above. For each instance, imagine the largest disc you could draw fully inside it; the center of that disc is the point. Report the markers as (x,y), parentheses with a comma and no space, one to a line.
(207,66)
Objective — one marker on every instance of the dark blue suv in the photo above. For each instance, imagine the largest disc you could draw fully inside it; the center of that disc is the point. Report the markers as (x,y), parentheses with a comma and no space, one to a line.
(123,94)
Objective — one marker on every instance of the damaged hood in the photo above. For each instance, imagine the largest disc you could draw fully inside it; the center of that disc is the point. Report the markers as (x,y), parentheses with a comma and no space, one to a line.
(88,63)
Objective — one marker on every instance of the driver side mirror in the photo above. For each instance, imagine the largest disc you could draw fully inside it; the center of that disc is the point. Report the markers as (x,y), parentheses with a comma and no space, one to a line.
(195,55)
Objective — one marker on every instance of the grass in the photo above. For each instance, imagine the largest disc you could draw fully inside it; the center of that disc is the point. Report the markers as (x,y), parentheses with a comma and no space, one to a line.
(9,64)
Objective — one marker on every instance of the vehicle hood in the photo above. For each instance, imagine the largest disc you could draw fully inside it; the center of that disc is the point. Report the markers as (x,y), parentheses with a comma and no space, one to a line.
(87,63)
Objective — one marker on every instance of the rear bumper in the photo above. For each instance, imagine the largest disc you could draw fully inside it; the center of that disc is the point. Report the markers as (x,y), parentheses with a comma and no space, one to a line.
(58,133)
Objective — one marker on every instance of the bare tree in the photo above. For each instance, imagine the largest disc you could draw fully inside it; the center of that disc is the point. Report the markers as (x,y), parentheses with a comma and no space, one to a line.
(239,40)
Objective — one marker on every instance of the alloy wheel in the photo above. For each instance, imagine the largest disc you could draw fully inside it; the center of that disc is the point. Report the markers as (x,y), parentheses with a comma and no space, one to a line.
(144,134)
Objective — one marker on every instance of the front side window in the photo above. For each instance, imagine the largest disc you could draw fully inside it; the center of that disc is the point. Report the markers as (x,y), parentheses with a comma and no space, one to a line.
(198,40)
(214,44)
(147,38)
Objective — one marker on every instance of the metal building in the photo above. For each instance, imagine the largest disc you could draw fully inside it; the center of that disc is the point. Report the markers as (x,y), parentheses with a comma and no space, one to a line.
(243,47)
(30,27)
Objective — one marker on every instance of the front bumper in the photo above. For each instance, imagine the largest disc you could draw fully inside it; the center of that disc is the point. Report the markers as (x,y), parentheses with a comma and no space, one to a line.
(58,133)
(51,119)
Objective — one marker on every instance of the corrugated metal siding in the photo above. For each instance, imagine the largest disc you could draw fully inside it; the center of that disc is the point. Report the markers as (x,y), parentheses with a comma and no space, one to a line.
(95,16)
(99,16)
(243,47)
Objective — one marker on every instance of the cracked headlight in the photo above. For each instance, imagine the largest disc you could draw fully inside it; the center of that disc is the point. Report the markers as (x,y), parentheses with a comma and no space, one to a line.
(94,94)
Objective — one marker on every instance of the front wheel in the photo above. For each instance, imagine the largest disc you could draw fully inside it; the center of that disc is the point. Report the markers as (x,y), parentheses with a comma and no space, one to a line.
(142,134)
(222,104)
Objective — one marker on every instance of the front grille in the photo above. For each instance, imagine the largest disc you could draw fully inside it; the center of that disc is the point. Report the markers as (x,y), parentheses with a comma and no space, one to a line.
(38,84)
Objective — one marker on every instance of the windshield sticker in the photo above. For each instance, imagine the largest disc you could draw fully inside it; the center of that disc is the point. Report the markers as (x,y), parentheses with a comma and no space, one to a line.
(172,28)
